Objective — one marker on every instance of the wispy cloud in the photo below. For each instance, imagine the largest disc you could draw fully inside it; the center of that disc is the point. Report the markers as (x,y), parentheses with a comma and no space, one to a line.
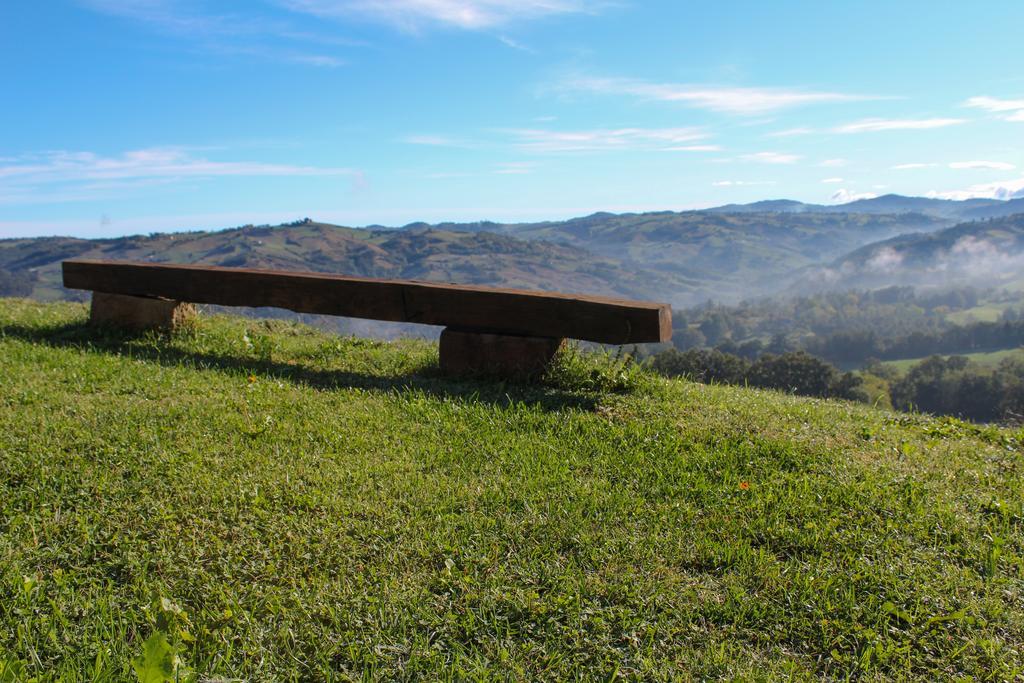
(771,158)
(316,60)
(249,34)
(994,104)
(694,148)
(990,165)
(833,163)
(413,15)
(171,17)
(1016,117)
(615,139)
(912,166)
(546,140)
(730,100)
(831,180)
(877,125)
(516,45)
(435,141)
(67,176)
(742,183)
(791,132)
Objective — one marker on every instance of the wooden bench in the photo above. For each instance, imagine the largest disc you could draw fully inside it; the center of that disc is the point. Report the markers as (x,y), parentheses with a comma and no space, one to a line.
(498,331)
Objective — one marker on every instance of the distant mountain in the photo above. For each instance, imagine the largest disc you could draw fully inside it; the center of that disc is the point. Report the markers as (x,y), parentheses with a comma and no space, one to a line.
(947,209)
(776,205)
(415,253)
(984,251)
(722,255)
(1008,208)
(725,254)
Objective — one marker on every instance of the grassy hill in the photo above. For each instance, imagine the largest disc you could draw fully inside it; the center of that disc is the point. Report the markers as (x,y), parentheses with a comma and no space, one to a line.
(272,503)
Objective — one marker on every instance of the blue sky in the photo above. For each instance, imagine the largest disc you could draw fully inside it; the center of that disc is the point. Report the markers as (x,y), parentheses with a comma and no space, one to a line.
(127,116)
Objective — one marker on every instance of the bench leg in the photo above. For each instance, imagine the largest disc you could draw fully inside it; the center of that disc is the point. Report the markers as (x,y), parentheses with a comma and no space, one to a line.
(138,313)
(468,352)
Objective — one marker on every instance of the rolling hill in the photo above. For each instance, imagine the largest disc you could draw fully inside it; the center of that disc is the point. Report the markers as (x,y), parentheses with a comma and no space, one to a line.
(685,258)
(944,209)
(415,253)
(727,255)
(679,257)
(985,251)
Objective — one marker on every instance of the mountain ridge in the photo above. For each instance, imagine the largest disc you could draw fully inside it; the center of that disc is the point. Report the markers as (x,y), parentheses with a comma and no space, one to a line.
(681,257)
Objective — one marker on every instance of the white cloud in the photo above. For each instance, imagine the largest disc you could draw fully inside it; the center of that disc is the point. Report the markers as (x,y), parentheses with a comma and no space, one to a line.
(771,158)
(617,139)
(994,104)
(1007,189)
(412,15)
(1017,117)
(885,260)
(876,125)
(592,140)
(73,176)
(991,165)
(831,180)
(909,167)
(731,100)
(790,132)
(694,148)
(833,163)
(845,196)
(516,45)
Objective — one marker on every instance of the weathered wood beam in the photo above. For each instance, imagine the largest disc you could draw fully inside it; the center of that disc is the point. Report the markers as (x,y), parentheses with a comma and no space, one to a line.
(500,311)
(463,352)
(138,313)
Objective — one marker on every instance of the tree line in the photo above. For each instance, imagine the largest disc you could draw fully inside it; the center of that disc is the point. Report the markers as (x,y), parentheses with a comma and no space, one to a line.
(937,385)
(850,328)
(795,372)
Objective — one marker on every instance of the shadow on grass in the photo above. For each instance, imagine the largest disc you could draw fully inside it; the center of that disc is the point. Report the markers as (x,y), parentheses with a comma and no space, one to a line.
(426,378)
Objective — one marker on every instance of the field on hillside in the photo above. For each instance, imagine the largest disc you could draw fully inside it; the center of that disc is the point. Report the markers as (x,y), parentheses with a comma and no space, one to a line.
(260,501)
(985,313)
(989,359)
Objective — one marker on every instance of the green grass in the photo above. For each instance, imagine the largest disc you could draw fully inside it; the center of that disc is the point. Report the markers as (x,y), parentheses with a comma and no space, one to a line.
(988,359)
(985,313)
(264,502)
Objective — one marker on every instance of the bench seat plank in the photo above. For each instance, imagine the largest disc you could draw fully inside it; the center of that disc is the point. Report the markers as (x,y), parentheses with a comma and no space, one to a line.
(500,311)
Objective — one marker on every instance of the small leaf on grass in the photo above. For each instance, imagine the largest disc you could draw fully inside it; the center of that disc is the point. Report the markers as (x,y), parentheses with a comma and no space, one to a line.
(157,662)
(898,612)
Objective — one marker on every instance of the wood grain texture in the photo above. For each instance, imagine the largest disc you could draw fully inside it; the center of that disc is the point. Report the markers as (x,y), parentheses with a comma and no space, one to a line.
(139,313)
(479,353)
(500,311)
